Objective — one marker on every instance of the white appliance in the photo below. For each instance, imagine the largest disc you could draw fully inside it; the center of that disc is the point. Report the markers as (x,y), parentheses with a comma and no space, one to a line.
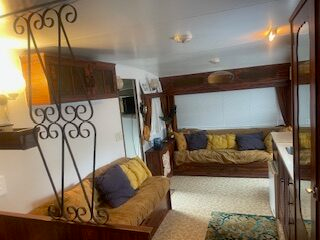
(273,172)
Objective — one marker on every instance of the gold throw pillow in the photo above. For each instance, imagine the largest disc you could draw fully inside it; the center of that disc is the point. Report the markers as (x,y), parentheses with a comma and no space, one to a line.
(181,141)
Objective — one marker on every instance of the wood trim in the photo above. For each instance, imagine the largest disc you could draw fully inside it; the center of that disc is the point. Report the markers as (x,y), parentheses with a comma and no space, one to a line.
(15,226)
(250,170)
(156,217)
(277,75)
(154,95)
(29,227)
(307,11)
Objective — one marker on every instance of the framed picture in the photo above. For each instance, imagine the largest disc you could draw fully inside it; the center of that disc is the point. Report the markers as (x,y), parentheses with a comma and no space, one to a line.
(155,85)
(145,87)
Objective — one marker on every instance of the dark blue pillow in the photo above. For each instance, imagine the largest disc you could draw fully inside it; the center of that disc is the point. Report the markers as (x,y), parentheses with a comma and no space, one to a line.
(114,186)
(253,141)
(197,140)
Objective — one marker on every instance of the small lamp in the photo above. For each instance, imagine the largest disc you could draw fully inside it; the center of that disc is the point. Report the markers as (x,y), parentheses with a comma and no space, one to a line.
(11,84)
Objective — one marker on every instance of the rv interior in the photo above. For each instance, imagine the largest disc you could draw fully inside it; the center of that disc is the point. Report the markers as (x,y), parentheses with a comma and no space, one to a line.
(163,120)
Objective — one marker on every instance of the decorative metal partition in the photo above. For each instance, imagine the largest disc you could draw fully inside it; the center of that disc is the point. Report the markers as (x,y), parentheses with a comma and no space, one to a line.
(60,122)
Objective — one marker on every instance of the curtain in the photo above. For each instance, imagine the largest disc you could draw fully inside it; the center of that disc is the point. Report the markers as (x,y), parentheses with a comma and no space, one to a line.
(284,100)
(158,126)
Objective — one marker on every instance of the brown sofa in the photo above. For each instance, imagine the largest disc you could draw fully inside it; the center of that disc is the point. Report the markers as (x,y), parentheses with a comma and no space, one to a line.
(147,207)
(226,162)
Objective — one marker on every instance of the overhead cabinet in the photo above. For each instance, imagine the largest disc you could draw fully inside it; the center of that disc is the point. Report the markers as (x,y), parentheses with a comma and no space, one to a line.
(79,79)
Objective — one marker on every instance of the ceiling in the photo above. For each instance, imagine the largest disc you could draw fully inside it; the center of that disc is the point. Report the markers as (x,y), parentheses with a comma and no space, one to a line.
(137,33)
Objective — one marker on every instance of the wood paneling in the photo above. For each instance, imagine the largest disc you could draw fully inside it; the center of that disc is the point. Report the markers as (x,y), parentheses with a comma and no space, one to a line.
(18,139)
(30,227)
(80,79)
(307,11)
(254,170)
(244,78)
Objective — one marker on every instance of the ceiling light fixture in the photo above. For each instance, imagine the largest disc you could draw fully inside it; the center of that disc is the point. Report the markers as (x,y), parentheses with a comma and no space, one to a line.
(214,60)
(182,38)
(272,34)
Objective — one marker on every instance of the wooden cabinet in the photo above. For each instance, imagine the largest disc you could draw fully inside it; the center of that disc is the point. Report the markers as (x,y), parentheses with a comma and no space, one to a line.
(18,138)
(286,205)
(284,183)
(79,79)
(305,39)
(155,159)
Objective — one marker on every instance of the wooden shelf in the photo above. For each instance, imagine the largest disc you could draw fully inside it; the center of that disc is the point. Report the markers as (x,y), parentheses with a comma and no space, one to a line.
(18,139)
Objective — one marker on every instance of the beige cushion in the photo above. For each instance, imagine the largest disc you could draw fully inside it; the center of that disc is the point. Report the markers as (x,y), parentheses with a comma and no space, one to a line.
(72,198)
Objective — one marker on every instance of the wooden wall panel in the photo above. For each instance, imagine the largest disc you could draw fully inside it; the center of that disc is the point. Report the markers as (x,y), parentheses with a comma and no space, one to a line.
(277,75)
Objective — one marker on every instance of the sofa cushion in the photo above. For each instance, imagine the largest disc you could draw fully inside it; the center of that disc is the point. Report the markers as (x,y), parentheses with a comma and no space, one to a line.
(253,141)
(221,141)
(136,171)
(73,197)
(225,156)
(114,186)
(268,143)
(216,142)
(180,140)
(305,140)
(139,207)
(197,140)
(231,138)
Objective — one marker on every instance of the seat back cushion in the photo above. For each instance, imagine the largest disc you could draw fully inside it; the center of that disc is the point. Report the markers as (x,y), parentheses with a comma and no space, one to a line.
(253,141)
(221,141)
(180,140)
(136,171)
(197,140)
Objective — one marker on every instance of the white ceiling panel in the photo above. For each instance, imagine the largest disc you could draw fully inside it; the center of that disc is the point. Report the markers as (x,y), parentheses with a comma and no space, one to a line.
(137,33)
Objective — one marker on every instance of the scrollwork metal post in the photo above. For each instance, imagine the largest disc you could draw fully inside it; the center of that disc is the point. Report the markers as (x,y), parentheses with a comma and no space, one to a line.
(59,121)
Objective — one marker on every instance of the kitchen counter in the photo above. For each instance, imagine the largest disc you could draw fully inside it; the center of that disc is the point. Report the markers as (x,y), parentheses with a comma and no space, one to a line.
(283,140)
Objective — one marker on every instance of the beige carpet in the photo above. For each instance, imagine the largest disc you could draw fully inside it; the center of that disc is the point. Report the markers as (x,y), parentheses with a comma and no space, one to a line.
(194,198)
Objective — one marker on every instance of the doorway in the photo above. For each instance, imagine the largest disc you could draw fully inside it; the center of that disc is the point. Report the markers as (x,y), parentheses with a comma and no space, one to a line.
(129,111)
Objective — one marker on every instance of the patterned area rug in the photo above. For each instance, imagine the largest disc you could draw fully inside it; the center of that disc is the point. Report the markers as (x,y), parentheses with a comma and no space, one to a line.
(230,226)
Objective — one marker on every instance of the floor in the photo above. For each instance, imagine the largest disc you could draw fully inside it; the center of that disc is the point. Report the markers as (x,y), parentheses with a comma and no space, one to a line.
(194,198)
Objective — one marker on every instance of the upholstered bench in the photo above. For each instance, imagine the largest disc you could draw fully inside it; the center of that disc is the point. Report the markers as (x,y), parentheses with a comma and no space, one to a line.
(147,207)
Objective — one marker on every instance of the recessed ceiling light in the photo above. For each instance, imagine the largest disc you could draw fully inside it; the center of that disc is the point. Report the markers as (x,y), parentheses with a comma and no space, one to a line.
(214,60)
(182,38)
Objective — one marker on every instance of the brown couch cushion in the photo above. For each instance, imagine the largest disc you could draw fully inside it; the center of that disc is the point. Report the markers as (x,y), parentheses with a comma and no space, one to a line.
(139,207)
(226,156)
(72,198)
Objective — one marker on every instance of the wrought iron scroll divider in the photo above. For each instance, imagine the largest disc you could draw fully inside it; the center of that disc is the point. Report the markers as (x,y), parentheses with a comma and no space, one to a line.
(65,121)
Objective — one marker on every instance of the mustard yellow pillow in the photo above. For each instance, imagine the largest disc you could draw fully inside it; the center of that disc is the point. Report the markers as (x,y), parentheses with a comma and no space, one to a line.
(268,143)
(136,171)
(144,166)
(305,140)
(181,141)
(231,139)
(131,176)
(216,142)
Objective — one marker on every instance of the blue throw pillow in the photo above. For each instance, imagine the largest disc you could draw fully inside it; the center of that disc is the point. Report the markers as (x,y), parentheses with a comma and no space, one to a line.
(114,186)
(197,140)
(253,141)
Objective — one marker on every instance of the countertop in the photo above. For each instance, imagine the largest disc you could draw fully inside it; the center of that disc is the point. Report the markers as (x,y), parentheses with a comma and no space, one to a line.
(283,140)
